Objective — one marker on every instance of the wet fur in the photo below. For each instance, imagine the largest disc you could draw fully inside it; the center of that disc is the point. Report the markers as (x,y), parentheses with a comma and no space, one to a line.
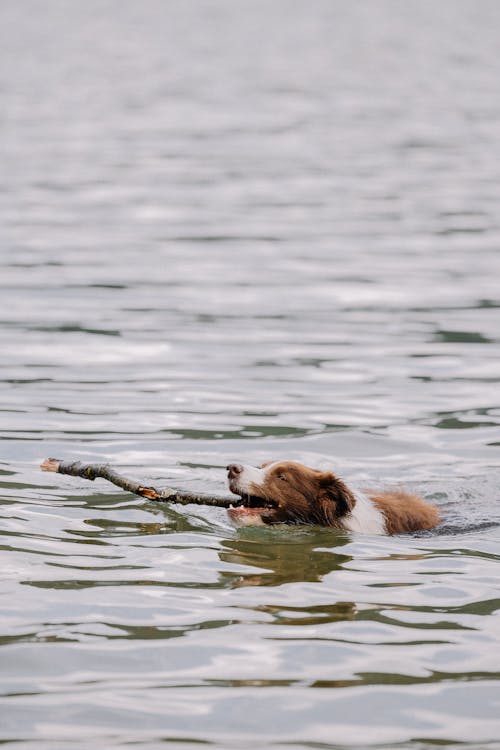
(404,512)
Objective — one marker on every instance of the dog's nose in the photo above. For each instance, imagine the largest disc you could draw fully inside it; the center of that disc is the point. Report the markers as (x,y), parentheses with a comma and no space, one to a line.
(233,470)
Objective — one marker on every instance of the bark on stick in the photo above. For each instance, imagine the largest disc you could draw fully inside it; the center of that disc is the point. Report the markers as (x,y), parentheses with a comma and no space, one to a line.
(104,471)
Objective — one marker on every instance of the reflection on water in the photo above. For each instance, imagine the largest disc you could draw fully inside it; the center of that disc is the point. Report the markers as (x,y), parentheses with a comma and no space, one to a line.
(245,231)
(284,556)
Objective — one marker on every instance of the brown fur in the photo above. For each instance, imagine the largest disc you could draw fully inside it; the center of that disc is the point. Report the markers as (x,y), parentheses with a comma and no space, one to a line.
(404,511)
(306,495)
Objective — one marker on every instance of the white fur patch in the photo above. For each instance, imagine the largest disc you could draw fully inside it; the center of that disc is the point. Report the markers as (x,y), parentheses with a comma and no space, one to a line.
(365,517)
(249,475)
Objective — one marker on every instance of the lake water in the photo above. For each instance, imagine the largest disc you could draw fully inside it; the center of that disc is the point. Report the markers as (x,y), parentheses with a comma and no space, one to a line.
(238,231)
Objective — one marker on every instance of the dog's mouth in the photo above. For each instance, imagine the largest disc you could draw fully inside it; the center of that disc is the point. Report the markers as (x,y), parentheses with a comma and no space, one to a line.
(254,501)
(252,510)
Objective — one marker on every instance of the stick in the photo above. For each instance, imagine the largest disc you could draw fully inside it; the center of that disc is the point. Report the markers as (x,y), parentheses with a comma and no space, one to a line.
(104,471)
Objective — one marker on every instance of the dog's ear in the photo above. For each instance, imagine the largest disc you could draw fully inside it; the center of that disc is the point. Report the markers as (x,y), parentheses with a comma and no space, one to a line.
(334,498)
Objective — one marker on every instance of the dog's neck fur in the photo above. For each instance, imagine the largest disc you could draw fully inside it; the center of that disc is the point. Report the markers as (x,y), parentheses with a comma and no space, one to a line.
(364,517)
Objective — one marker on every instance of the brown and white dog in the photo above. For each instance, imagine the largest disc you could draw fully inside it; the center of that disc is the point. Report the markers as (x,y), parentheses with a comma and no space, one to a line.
(289,492)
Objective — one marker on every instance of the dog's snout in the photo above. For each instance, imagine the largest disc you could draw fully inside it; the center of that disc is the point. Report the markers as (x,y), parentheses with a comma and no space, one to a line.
(233,470)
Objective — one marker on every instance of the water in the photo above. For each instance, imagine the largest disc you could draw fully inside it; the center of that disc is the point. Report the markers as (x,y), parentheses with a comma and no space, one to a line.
(239,231)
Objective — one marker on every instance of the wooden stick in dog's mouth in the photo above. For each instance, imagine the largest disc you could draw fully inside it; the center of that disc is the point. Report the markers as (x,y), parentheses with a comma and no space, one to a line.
(105,471)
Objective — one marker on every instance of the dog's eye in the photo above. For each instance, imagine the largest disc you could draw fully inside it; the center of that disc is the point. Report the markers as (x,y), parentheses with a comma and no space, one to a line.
(282,478)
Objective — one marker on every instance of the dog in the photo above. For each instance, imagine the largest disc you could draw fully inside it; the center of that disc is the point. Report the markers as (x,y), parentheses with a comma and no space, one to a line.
(288,492)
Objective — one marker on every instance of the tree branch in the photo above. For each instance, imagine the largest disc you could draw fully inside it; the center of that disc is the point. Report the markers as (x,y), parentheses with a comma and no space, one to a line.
(104,471)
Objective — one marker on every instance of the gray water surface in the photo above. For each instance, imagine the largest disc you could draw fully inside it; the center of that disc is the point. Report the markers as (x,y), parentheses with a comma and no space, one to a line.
(248,230)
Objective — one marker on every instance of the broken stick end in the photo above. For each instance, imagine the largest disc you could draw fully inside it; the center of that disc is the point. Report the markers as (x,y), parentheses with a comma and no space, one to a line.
(50,464)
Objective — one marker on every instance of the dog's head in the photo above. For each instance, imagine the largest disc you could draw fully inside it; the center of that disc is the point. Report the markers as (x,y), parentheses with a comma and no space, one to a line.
(287,492)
